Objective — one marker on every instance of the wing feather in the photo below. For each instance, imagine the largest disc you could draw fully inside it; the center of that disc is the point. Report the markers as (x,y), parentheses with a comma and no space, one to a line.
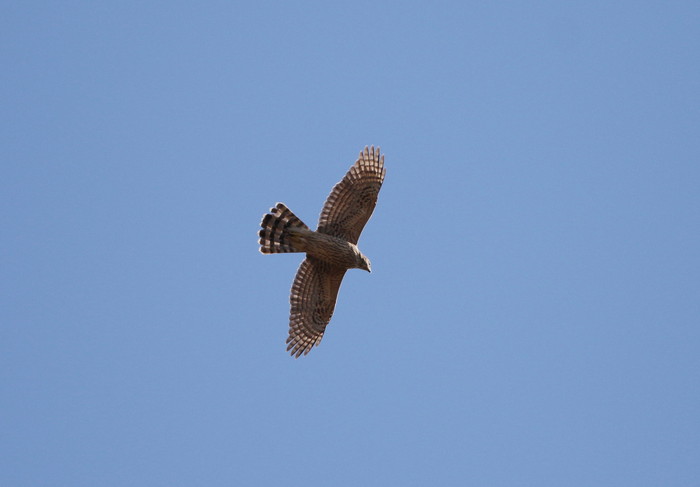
(352,200)
(312,300)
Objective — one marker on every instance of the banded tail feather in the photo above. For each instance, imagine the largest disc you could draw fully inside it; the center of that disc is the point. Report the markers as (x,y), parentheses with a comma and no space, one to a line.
(274,235)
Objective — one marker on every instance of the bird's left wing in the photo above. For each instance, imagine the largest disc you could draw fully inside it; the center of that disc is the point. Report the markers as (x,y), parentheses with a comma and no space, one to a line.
(312,300)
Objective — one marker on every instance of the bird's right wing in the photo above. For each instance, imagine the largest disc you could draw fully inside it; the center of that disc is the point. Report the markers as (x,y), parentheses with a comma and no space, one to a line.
(312,300)
(353,199)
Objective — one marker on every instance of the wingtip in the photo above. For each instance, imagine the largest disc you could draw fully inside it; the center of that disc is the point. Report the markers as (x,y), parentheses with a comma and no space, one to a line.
(372,153)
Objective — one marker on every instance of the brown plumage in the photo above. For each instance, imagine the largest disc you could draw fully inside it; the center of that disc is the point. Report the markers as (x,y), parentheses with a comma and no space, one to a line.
(330,250)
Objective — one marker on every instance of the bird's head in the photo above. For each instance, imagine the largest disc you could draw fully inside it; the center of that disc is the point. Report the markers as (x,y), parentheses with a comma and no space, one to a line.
(364,264)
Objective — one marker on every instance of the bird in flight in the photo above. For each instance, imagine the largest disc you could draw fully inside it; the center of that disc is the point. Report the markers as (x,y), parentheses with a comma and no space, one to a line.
(330,250)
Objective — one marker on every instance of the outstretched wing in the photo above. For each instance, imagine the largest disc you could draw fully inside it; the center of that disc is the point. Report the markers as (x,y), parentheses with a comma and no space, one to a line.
(314,292)
(353,199)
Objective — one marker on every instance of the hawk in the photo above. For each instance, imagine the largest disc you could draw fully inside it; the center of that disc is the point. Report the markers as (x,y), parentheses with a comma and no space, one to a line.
(330,250)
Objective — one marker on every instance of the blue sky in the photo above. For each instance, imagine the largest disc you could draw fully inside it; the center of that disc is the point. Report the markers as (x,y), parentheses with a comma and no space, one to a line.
(533,314)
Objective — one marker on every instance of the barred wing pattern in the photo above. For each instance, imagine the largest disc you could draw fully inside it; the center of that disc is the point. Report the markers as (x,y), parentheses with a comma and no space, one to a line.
(353,199)
(312,300)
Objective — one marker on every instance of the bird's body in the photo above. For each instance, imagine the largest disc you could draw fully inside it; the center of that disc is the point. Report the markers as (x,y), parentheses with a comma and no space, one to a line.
(330,250)
(333,250)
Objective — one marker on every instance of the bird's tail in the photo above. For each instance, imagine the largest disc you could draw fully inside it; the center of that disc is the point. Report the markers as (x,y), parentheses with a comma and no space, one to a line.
(274,236)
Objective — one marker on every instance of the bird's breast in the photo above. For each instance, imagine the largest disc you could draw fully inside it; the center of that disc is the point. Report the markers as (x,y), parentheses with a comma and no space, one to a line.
(327,248)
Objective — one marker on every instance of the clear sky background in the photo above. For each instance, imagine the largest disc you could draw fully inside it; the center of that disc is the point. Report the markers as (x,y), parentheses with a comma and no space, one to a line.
(533,314)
